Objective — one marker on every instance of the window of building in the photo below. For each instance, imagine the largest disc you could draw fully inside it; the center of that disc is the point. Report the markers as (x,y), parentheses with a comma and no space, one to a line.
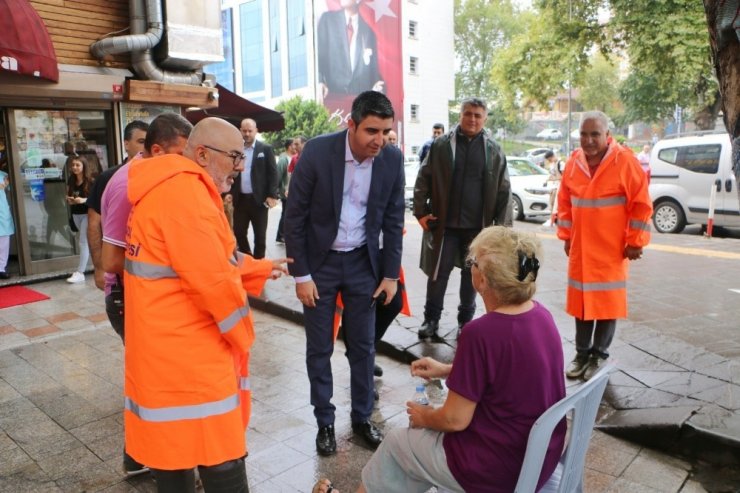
(413,65)
(297,50)
(414,149)
(276,69)
(412,29)
(414,112)
(224,71)
(252,59)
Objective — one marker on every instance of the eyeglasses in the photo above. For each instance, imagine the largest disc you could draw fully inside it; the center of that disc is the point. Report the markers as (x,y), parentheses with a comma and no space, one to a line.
(238,157)
(470,262)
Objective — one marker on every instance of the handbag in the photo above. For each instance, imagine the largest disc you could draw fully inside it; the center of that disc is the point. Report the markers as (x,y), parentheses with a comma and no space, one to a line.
(72,224)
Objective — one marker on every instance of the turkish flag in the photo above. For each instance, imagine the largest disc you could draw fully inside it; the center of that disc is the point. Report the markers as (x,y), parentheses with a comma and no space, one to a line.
(383,17)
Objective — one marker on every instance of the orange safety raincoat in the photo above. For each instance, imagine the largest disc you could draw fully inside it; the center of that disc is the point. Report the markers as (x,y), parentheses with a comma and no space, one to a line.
(188,324)
(600,215)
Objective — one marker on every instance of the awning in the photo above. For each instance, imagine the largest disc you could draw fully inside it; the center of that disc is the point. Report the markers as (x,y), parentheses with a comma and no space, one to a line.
(25,46)
(235,108)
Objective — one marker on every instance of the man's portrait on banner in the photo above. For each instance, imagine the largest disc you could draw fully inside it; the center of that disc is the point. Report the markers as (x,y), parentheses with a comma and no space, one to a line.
(347,51)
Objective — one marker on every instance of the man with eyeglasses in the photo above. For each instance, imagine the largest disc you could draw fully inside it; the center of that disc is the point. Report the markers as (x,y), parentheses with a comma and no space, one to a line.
(167,134)
(189,327)
(255,191)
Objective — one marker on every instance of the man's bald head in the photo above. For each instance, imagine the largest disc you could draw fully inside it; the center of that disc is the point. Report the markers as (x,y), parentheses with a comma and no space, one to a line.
(213,144)
(249,131)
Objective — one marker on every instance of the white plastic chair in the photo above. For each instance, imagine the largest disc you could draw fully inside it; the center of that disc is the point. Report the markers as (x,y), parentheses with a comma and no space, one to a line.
(568,476)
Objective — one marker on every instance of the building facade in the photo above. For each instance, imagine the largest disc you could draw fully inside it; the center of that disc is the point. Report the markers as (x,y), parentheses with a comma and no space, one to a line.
(57,100)
(274,50)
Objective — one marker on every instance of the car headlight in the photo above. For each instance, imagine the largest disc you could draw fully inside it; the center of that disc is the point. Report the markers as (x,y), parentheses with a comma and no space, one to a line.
(537,191)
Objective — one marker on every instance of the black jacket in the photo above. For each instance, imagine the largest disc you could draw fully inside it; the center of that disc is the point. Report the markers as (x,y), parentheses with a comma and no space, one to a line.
(264,175)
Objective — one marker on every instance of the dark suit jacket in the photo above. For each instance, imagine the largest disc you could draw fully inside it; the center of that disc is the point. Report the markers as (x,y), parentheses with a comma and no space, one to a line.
(333,55)
(264,175)
(315,204)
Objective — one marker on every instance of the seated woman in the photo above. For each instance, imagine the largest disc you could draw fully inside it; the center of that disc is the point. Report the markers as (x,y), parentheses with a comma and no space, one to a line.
(507,371)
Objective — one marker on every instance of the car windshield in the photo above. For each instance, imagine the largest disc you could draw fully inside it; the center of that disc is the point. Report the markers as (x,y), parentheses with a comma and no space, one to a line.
(522,167)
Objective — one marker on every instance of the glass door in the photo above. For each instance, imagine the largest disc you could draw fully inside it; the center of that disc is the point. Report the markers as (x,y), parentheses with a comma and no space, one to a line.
(9,264)
(45,143)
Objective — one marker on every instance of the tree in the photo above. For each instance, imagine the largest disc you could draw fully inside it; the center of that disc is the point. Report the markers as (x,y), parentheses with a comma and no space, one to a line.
(664,41)
(600,87)
(302,117)
(725,47)
(482,29)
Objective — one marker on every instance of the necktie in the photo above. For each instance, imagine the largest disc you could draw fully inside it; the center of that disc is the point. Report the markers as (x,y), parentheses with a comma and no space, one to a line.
(350,32)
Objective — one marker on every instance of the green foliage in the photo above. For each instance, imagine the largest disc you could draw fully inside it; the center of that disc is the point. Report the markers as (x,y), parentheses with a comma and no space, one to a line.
(302,117)
(665,42)
(482,29)
(600,87)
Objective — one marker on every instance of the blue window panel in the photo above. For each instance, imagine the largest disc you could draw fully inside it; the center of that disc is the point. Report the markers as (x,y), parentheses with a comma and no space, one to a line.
(297,58)
(253,63)
(276,52)
(224,71)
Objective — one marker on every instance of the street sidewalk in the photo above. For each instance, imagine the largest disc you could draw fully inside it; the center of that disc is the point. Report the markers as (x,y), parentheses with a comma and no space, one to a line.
(61,411)
(61,379)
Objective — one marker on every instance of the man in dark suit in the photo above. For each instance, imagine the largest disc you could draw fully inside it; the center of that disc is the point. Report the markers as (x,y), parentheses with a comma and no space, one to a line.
(347,189)
(347,52)
(254,191)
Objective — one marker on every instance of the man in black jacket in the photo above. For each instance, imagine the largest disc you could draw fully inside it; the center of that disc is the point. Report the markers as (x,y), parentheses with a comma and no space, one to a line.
(254,191)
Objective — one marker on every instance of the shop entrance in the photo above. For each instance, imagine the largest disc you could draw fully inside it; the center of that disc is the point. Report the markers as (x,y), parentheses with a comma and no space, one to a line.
(43,145)
(9,264)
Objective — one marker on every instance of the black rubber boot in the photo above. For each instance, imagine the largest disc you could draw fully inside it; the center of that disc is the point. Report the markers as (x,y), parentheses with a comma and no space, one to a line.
(179,481)
(229,477)
(429,329)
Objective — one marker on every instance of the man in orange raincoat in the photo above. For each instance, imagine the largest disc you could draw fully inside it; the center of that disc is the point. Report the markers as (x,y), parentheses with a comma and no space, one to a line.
(188,323)
(604,218)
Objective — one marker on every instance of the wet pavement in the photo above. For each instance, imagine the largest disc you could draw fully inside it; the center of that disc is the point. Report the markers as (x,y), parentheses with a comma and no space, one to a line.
(678,359)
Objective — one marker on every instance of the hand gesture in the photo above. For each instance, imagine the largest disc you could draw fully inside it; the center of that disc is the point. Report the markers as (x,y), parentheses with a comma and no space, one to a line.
(428,368)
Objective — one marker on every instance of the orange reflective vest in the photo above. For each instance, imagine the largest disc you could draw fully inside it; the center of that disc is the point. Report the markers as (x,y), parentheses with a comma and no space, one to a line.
(600,215)
(188,323)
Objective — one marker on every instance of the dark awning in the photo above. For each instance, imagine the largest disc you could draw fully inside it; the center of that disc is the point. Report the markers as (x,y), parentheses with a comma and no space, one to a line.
(25,46)
(235,108)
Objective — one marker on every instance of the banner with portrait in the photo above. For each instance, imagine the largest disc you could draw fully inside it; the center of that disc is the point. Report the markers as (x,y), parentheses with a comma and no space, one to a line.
(358,48)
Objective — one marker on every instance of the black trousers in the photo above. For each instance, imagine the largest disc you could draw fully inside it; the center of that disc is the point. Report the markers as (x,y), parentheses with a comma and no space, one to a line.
(228,477)
(247,210)
(279,236)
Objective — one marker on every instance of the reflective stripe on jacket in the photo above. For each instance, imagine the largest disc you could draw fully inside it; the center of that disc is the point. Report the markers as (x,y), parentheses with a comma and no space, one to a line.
(188,323)
(601,215)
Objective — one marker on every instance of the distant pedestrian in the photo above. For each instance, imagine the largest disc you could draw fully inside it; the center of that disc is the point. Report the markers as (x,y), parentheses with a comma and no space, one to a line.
(6,225)
(255,191)
(78,188)
(462,186)
(604,218)
(437,130)
(644,158)
(282,173)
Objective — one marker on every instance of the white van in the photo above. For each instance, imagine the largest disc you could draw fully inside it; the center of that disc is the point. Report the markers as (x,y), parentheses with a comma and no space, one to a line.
(683,171)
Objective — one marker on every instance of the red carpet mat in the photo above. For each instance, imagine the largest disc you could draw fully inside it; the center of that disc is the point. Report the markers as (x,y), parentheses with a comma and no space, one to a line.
(19,295)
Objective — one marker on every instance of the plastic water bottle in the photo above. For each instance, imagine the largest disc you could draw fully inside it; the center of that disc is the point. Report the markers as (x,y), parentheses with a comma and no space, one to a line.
(420,396)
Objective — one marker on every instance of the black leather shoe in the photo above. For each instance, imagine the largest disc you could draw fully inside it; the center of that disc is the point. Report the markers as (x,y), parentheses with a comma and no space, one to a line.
(378,371)
(369,433)
(5,275)
(429,329)
(326,444)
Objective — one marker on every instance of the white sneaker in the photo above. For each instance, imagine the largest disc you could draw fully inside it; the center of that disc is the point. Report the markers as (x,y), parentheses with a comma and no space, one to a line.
(76,278)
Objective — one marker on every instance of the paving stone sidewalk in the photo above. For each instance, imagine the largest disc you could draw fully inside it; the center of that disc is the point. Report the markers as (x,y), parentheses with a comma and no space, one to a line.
(61,416)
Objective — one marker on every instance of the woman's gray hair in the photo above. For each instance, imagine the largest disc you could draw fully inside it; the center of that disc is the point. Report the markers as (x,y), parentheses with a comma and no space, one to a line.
(497,252)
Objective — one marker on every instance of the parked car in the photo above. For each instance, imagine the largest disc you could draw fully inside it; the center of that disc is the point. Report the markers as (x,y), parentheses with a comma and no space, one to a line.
(411,169)
(537,154)
(530,191)
(683,172)
(550,134)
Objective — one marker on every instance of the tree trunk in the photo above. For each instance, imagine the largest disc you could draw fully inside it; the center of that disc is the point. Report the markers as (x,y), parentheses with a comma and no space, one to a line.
(724,39)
